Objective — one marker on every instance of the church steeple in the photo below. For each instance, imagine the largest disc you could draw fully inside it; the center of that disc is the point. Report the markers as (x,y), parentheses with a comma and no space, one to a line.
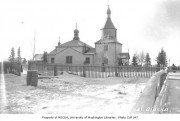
(108,12)
(76,33)
(109,24)
(59,42)
(109,30)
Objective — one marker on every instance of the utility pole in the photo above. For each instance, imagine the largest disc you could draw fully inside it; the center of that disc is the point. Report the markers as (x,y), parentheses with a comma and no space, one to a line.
(34,45)
(128,57)
(115,56)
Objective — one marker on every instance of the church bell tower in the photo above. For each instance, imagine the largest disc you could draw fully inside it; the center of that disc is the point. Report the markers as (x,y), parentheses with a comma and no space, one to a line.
(108,48)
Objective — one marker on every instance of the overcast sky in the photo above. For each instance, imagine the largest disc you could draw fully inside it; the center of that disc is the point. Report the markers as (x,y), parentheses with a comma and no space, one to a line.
(147,25)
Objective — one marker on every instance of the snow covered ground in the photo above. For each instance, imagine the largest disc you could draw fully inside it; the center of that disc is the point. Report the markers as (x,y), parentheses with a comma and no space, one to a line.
(71,94)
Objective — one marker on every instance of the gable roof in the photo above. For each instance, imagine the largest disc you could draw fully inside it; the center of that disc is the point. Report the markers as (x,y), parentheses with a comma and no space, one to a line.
(75,43)
(107,41)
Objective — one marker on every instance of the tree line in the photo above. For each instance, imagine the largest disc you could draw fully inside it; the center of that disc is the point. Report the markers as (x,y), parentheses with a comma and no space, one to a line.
(13,58)
(140,59)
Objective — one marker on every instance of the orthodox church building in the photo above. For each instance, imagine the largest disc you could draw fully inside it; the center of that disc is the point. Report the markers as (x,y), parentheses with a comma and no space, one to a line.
(107,50)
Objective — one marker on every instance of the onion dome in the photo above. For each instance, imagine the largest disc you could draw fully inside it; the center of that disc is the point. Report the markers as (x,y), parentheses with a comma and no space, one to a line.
(76,34)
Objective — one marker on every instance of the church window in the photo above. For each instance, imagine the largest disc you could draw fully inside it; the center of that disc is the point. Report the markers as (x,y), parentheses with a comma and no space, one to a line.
(52,60)
(68,59)
(87,60)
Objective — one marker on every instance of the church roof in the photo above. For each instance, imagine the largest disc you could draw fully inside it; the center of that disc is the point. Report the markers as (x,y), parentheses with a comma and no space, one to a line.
(90,51)
(75,43)
(53,52)
(109,24)
(107,41)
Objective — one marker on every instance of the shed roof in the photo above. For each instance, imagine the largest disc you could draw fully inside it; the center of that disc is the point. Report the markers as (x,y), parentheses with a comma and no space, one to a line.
(124,55)
(38,57)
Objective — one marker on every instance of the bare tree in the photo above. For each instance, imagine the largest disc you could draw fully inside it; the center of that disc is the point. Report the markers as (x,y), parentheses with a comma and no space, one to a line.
(140,57)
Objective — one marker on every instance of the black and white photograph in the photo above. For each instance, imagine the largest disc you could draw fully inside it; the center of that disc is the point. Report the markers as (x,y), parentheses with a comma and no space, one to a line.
(89,60)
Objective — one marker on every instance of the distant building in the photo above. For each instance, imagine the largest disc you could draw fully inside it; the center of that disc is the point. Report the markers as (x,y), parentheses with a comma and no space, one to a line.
(107,50)
(38,57)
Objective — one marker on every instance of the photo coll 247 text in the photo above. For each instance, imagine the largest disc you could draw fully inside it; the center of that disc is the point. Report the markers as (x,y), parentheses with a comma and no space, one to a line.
(89,117)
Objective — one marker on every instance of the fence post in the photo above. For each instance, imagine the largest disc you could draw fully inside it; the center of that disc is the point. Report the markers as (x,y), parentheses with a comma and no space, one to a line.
(55,70)
(29,65)
(103,67)
(19,69)
(84,71)
(116,73)
(11,64)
